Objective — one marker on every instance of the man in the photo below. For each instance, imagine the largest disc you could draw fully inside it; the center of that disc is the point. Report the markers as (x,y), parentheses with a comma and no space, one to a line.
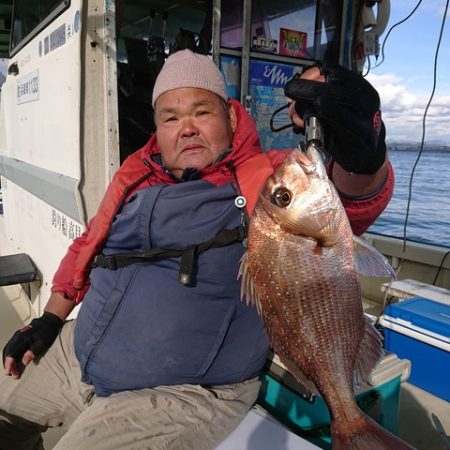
(163,353)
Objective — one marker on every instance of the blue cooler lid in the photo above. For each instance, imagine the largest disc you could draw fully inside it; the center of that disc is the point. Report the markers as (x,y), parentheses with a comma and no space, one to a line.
(422,313)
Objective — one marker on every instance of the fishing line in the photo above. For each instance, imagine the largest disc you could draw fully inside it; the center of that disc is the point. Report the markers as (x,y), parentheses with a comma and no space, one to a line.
(390,29)
(385,300)
(440,267)
(369,66)
(436,55)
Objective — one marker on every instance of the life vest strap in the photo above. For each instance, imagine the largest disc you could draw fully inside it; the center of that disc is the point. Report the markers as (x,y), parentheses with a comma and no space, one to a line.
(188,255)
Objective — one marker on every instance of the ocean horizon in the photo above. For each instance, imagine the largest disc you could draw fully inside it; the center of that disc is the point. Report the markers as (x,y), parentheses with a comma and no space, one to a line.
(428,189)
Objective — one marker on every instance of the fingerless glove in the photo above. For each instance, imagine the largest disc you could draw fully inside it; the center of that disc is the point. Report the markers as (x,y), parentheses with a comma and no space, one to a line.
(348,107)
(38,336)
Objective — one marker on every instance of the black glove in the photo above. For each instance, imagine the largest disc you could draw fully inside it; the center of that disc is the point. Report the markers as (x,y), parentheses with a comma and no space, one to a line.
(348,107)
(37,337)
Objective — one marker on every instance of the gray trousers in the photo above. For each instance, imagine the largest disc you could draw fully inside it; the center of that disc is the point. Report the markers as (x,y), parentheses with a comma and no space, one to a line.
(50,394)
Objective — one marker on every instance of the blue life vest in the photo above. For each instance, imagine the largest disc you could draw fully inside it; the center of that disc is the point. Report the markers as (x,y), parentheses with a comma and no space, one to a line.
(139,327)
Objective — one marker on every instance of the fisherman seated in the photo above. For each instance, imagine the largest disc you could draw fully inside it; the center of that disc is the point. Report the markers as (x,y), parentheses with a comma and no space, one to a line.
(163,353)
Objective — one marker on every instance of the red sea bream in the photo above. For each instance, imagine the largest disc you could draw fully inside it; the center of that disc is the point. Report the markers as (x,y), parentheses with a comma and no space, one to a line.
(301,272)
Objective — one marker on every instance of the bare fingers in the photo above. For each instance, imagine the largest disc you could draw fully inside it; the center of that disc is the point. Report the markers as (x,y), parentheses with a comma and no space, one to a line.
(14,369)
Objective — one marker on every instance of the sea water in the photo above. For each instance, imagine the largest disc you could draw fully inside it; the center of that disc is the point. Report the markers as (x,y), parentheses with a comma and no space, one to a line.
(429,210)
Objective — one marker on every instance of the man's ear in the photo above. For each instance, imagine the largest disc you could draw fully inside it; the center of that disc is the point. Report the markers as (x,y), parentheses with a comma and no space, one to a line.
(232,116)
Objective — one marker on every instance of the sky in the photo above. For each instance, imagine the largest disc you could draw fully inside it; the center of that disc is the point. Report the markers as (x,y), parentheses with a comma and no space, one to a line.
(404,79)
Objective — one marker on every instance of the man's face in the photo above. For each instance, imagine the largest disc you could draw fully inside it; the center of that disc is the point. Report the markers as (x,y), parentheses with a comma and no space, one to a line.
(194,127)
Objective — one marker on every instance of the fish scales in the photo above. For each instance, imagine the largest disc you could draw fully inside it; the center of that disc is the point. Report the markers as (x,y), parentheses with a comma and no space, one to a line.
(315,308)
(299,269)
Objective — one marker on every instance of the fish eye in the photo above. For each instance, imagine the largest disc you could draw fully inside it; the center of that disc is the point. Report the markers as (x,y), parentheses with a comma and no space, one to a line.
(282,197)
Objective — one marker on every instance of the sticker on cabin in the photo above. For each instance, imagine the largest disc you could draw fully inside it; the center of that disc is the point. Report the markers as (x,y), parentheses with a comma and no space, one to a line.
(231,70)
(58,37)
(270,74)
(292,43)
(46,45)
(266,88)
(76,22)
(28,88)
(264,44)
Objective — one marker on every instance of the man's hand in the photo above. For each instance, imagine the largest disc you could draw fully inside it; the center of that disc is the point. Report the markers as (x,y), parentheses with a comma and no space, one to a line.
(29,342)
(349,109)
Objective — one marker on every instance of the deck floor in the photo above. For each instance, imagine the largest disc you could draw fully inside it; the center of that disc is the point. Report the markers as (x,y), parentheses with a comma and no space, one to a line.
(416,425)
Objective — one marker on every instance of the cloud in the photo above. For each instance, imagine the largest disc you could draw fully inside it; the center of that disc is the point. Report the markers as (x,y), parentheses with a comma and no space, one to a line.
(403,110)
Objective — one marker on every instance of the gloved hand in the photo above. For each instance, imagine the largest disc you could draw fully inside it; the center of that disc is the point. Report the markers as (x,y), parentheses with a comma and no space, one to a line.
(348,107)
(37,337)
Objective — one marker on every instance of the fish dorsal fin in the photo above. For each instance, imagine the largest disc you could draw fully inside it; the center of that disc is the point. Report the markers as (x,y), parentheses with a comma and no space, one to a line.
(369,261)
(247,286)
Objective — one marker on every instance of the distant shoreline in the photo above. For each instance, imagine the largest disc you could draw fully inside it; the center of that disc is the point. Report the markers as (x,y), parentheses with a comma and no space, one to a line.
(404,147)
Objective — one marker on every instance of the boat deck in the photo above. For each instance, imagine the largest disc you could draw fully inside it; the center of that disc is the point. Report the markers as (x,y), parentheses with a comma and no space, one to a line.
(417,407)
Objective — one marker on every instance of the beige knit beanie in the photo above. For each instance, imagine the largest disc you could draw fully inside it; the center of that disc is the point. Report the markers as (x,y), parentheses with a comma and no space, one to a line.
(186,69)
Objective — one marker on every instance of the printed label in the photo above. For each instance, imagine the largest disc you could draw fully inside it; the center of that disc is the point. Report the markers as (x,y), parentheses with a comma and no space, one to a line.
(65,225)
(28,88)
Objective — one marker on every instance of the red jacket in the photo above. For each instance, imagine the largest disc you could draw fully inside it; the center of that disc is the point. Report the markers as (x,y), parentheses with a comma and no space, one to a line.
(139,171)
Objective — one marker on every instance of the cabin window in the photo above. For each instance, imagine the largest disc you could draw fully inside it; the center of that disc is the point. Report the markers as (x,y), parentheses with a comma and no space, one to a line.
(147,33)
(306,29)
(32,16)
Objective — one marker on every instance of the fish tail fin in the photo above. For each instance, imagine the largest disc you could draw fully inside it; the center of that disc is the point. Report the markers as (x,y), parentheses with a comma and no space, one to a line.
(365,435)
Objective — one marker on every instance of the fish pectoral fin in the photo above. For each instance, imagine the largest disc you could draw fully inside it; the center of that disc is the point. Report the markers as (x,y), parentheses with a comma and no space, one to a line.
(248,289)
(369,261)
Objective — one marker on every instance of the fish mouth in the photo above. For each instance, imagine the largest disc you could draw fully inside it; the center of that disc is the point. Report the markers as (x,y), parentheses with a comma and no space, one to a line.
(308,165)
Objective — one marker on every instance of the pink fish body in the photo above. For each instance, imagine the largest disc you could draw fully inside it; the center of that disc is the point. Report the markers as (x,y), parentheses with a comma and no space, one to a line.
(300,271)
